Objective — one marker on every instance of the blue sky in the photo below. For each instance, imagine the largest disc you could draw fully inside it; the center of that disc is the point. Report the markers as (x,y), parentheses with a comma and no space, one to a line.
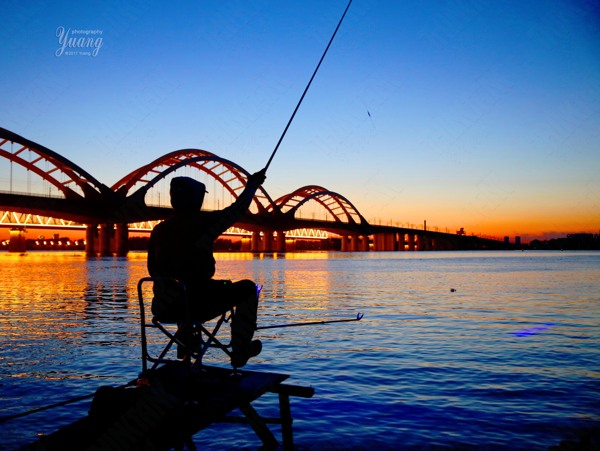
(477,114)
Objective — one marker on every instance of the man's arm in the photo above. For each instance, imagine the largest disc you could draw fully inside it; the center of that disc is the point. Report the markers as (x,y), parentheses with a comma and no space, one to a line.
(222,220)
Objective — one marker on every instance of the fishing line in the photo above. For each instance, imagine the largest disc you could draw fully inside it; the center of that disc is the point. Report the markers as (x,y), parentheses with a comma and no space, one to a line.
(307,86)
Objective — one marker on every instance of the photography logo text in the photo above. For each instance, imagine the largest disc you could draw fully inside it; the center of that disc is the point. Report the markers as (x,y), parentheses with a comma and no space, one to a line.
(75,42)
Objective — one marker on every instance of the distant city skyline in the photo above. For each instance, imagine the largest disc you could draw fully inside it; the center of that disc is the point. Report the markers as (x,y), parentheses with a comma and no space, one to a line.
(480,115)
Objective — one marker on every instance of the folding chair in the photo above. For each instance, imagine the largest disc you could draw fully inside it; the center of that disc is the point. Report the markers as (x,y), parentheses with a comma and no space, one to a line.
(188,340)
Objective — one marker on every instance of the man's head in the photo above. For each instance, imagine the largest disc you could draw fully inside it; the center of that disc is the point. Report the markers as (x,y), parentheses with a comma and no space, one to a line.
(187,194)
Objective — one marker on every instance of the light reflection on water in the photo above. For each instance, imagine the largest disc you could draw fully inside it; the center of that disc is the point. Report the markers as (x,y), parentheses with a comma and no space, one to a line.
(427,365)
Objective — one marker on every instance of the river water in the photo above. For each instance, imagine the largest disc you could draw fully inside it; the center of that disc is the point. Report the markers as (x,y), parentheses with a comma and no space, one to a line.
(457,350)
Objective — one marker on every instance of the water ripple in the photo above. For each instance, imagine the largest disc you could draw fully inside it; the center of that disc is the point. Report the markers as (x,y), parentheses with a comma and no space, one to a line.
(456,350)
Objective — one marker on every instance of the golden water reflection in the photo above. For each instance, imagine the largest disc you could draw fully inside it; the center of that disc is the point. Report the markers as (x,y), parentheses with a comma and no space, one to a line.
(467,331)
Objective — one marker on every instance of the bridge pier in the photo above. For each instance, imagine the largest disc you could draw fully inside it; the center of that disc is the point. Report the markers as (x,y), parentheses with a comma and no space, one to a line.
(281,241)
(268,241)
(91,234)
(355,243)
(344,243)
(348,243)
(246,244)
(427,242)
(445,243)
(106,240)
(401,242)
(423,242)
(384,241)
(363,243)
(377,242)
(255,242)
(105,235)
(411,242)
(121,245)
(17,241)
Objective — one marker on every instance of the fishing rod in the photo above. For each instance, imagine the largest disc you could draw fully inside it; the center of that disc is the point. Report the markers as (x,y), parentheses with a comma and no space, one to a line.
(41,409)
(307,86)
(359,316)
(52,406)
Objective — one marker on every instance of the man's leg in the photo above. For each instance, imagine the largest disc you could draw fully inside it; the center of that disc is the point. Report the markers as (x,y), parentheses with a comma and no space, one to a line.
(243,323)
(223,295)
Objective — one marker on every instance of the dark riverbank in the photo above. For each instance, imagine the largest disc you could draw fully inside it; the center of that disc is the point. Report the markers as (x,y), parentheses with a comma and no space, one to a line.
(573,242)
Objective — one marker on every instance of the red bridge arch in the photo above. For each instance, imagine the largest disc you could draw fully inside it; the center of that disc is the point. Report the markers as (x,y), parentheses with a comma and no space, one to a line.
(71,180)
(228,174)
(340,208)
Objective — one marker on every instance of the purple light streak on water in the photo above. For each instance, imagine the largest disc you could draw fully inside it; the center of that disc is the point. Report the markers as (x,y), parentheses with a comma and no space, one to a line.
(533,330)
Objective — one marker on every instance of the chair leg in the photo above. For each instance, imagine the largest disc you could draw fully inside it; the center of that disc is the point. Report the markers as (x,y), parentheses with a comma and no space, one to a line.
(193,340)
(210,340)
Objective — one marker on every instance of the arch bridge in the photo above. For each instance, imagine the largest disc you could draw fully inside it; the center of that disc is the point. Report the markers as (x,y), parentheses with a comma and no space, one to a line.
(43,183)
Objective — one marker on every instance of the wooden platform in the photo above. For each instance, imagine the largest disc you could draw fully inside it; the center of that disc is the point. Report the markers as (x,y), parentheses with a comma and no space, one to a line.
(165,409)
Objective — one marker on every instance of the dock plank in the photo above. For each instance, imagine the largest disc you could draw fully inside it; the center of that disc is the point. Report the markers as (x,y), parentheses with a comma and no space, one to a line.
(166,412)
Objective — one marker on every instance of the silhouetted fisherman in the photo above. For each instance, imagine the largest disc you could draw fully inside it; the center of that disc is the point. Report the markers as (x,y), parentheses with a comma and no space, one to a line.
(181,247)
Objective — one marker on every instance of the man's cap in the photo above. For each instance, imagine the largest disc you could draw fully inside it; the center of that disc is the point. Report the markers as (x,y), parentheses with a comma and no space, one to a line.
(188,184)
(187,194)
